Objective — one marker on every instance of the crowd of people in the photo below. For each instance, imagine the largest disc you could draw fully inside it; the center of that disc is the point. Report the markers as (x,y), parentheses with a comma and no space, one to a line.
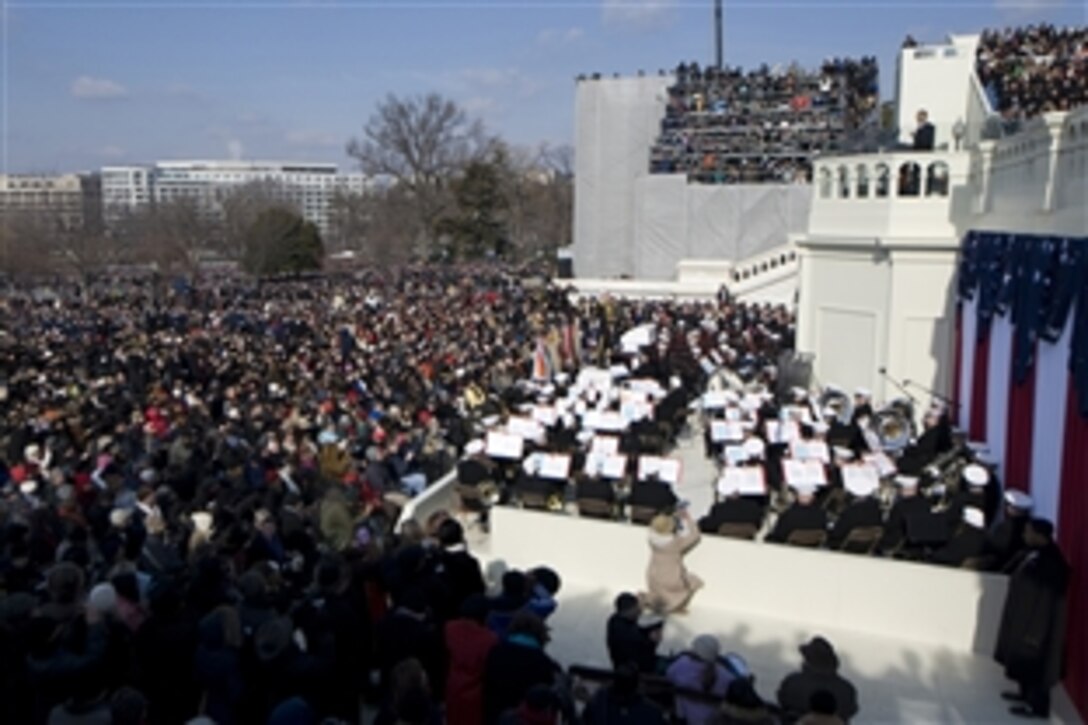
(1034,69)
(728,126)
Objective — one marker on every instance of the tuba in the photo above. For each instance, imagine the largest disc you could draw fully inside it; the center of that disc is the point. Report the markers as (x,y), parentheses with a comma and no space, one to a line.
(893,426)
(838,401)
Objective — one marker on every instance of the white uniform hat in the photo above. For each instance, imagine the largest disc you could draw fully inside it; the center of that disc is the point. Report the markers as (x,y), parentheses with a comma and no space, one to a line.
(976,475)
(1018,500)
(863,392)
(843,454)
(906,481)
(755,447)
(474,447)
(861,487)
(974,517)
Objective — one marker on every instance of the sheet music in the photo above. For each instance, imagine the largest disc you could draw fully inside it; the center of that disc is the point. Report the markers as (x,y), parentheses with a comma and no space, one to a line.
(648,386)
(667,469)
(527,428)
(635,410)
(778,432)
(605,445)
(605,465)
(802,473)
(734,414)
(862,476)
(554,466)
(747,481)
(604,420)
(884,465)
(810,450)
(545,415)
(714,400)
(504,445)
(735,455)
(724,430)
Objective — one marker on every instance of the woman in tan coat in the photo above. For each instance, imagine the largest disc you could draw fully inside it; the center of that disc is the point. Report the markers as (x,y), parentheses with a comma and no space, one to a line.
(671,586)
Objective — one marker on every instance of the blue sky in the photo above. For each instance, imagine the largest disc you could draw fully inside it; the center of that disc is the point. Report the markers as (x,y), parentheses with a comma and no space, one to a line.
(88,83)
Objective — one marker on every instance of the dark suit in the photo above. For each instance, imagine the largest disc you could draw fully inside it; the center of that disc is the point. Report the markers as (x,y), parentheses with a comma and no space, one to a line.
(895,529)
(860,514)
(1031,641)
(968,543)
(473,471)
(628,643)
(652,494)
(738,510)
(925,137)
(595,488)
(1007,539)
(798,517)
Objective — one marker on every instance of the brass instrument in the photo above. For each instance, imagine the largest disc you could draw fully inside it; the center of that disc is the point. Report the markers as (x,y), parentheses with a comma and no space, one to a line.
(555,502)
(489,492)
(893,426)
(840,402)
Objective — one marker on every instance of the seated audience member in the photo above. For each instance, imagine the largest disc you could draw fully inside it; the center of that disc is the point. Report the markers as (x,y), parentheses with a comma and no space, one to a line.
(621,703)
(516,664)
(969,541)
(594,488)
(822,710)
(1007,536)
(862,511)
(802,515)
(632,638)
(976,486)
(819,672)
(653,494)
(907,504)
(734,509)
(468,644)
(699,669)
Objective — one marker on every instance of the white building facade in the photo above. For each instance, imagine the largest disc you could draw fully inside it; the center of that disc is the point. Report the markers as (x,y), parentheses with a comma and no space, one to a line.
(308,187)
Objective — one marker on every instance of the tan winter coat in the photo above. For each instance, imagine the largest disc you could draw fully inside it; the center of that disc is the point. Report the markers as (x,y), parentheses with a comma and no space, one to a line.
(669,585)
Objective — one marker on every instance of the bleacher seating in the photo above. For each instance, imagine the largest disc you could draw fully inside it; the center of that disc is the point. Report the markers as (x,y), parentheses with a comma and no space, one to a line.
(766,125)
(1036,69)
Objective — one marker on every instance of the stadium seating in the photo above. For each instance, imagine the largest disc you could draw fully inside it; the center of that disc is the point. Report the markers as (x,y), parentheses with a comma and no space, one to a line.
(728,126)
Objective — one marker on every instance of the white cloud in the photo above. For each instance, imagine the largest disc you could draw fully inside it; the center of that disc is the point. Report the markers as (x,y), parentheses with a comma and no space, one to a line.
(312,138)
(559,36)
(639,13)
(480,106)
(234,149)
(1023,10)
(88,87)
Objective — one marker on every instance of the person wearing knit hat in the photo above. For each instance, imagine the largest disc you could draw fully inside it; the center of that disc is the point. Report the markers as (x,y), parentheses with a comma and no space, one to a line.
(819,673)
(699,669)
(670,586)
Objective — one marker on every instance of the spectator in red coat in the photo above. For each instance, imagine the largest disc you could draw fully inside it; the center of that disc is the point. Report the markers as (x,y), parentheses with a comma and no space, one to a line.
(468,642)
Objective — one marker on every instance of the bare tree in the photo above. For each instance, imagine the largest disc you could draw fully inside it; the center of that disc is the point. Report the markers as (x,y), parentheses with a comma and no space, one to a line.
(173,235)
(421,143)
(51,240)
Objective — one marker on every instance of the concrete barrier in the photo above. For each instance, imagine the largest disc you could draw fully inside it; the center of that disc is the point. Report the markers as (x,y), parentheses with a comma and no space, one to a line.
(951,608)
(439,495)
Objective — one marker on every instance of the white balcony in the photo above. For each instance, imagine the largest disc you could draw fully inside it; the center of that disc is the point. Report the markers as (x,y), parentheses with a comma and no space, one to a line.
(917,195)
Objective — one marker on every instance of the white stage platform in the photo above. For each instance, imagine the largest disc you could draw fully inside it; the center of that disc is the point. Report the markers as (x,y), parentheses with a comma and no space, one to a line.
(917,650)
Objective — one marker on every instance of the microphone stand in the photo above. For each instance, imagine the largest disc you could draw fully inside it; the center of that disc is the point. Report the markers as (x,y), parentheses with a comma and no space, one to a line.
(884,373)
(932,393)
